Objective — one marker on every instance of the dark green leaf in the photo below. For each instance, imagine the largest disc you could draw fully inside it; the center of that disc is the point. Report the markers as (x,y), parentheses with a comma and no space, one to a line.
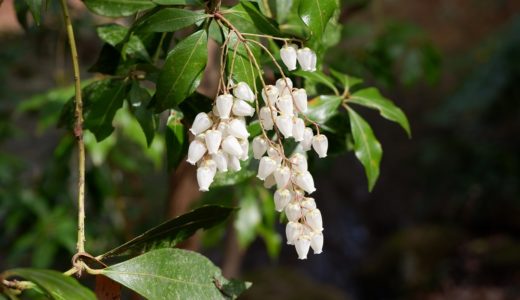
(261,22)
(243,67)
(194,104)
(248,19)
(182,71)
(233,178)
(173,274)
(373,99)
(55,284)
(176,139)
(366,146)
(170,19)
(108,60)
(116,36)
(139,100)
(322,108)
(171,232)
(316,15)
(215,32)
(345,80)
(177,2)
(118,8)
(318,77)
(35,6)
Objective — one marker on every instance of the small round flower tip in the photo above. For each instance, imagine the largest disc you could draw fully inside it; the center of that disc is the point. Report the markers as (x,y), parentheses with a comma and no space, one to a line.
(288,55)
(237,129)
(320,143)
(242,109)
(282,197)
(292,232)
(285,125)
(195,151)
(204,178)
(266,167)
(213,139)
(306,182)
(244,92)
(201,123)
(231,146)
(259,147)
(293,211)
(302,245)
(317,242)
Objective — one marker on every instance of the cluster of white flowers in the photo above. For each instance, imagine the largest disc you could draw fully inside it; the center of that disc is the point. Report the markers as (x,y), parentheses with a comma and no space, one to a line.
(306,57)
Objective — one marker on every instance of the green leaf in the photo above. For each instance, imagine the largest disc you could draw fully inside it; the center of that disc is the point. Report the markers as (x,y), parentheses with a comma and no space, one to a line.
(248,19)
(118,8)
(283,9)
(366,147)
(170,19)
(322,108)
(345,80)
(371,98)
(139,100)
(177,2)
(35,6)
(104,98)
(261,22)
(173,274)
(116,36)
(55,284)
(316,14)
(248,217)
(182,71)
(171,232)
(318,77)
(176,137)
(243,67)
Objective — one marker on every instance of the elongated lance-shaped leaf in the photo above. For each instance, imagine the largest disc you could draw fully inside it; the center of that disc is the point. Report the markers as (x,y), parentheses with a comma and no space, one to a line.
(118,8)
(171,232)
(171,274)
(366,147)
(316,15)
(170,19)
(139,99)
(322,108)
(182,71)
(35,6)
(318,77)
(345,80)
(371,98)
(243,66)
(55,284)
(176,137)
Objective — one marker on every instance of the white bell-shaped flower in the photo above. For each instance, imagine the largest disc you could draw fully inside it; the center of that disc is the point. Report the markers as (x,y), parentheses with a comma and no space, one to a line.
(293,211)
(307,139)
(233,163)
(245,149)
(221,160)
(300,100)
(270,95)
(282,175)
(238,129)
(306,182)
(308,203)
(298,129)
(285,105)
(285,125)
(259,147)
(307,59)
(269,181)
(242,109)
(196,151)
(302,245)
(201,123)
(266,118)
(205,177)
(244,92)
(284,86)
(222,127)
(299,162)
(282,197)
(213,139)
(223,104)
(314,220)
(231,146)
(288,55)
(266,167)
(317,242)
(320,143)
(298,195)
(274,153)
(292,231)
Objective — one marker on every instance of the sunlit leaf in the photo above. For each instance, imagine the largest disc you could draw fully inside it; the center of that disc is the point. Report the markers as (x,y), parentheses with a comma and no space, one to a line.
(118,8)
(170,19)
(345,80)
(318,77)
(322,108)
(316,14)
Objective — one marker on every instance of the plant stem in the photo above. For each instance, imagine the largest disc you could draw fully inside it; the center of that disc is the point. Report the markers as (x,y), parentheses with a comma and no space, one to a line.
(78,127)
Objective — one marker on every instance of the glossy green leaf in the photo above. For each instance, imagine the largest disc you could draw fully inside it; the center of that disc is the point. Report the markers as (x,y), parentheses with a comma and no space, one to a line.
(178,2)
(105,98)
(176,137)
(373,99)
(283,9)
(247,18)
(35,6)
(118,8)
(116,36)
(171,274)
(318,77)
(232,178)
(171,232)
(182,71)
(261,22)
(55,284)
(139,100)
(316,15)
(243,67)
(345,80)
(322,108)
(170,19)
(366,147)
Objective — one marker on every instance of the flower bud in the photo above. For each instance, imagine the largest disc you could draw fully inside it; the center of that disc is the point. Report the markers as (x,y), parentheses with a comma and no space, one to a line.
(201,123)
(320,143)
(238,129)
(244,92)
(213,139)
(306,182)
(284,86)
(285,105)
(317,242)
(282,175)
(271,96)
(266,118)
(231,146)
(307,59)
(233,163)
(308,203)
(300,100)
(204,178)
(269,181)
(242,109)
(259,147)
(245,149)
(299,162)
(313,219)
(282,197)
(222,127)
(195,151)
(292,232)
(302,245)
(224,104)
(288,55)
(285,125)
(221,160)
(274,153)
(307,139)
(293,211)
(266,167)
(298,129)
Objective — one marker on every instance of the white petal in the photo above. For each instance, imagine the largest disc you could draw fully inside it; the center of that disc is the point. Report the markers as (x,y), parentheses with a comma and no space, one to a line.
(233,163)
(231,146)
(306,182)
(266,167)
(282,197)
(285,105)
(293,211)
(284,86)
(305,58)
(292,232)
(238,129)
(271,96)
(204,178)
(201,123)
(313,61)
(266,118)
(302,245)
(288,55)
(307,139)
(221,161)
(224,104)
(242,109)
(282,175)
(308,203)
(244,143)
(269,181)
(244,92)
(299,162)
(314,220)
(259,147)
(317,242)
(298,129)
(320,144)
(300,100)
(195,151)
(213,139)
(275,154)
(222,127)
(285,125)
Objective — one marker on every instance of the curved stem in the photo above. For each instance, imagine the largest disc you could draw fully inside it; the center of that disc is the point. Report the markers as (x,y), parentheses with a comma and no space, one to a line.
(78,127)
